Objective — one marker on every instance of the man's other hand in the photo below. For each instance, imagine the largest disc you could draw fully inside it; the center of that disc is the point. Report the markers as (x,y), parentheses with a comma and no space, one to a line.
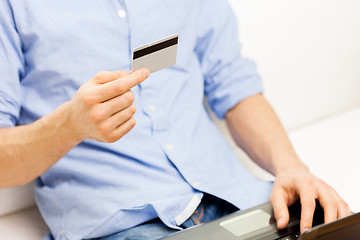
(290,185)
(102,109)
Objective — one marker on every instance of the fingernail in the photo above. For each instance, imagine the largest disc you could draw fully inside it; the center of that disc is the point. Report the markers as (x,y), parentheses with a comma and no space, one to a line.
(306,229)
(280,222)
(146,73)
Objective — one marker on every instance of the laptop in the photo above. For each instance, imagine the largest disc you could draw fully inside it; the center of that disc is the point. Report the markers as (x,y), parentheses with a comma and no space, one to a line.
(258,223)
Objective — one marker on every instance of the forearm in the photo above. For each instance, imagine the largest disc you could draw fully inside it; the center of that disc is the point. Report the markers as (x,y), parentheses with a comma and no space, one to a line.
(28,151)
(102,109)
(256,129)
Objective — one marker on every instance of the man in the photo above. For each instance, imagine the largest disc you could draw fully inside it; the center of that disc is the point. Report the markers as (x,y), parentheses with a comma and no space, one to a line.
(173,169)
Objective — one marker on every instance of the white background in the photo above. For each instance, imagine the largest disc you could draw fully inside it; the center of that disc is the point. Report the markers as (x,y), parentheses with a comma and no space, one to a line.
(308,53)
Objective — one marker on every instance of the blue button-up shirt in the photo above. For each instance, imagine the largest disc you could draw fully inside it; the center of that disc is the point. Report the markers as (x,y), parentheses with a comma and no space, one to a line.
(48,49)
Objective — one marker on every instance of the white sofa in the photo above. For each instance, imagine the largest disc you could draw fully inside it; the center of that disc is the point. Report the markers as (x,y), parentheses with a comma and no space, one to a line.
(308,53)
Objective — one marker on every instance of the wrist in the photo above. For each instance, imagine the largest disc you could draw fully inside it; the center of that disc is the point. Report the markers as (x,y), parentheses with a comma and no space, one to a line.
(288,163)
(59,124)
(68,123)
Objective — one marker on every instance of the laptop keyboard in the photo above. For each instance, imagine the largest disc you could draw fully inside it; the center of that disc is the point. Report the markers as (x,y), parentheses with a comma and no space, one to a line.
(290,237)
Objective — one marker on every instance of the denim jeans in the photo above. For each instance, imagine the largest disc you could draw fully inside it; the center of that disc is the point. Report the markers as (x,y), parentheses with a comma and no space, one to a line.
(209,209)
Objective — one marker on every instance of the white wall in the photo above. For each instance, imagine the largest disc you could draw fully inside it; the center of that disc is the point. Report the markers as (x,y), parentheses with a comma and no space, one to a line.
(308,53)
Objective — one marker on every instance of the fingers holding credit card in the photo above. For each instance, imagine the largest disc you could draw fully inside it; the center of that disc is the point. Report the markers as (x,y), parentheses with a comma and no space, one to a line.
(102,109)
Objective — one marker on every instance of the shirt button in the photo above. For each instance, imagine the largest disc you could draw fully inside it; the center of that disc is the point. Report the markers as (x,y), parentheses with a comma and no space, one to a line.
(196,184)
(170,146)
(152,108)
(122,13)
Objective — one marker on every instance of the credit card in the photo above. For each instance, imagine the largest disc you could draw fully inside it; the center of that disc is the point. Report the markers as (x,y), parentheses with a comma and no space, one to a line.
(157,55)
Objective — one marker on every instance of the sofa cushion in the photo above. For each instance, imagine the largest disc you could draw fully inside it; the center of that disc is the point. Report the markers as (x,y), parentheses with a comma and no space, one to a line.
(23,225)
(16,198)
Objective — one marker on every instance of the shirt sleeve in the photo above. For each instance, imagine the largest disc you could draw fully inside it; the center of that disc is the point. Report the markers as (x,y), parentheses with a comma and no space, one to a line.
(229,78)
(11,67)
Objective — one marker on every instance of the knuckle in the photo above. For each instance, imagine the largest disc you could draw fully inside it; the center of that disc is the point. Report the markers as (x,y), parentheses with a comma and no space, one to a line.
(331,203)
(110,139)
(139,77)
(308,203)
(308,181)
(322,183)
(132,122)
(89,99)
(132,109)
(132,97)
(115,136)
(100,74)
(129,97)
(121,134)
(341,203)
(102,129)
(119,89)
(96,117)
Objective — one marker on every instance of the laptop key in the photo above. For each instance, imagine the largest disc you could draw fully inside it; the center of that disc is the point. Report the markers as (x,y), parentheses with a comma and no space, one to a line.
(289,237)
